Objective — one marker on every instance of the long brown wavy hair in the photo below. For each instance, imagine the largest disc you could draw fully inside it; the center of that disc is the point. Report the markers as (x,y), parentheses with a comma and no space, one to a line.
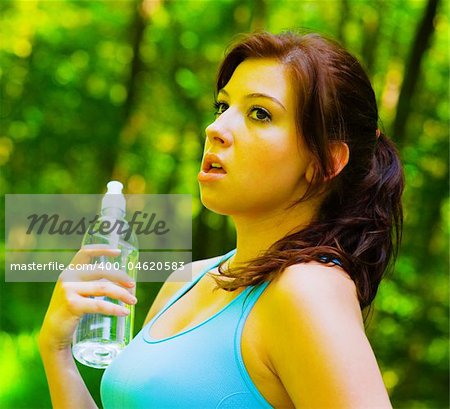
(360,219)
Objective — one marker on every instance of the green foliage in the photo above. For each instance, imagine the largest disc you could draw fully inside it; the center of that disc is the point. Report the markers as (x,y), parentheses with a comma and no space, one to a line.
(118,89)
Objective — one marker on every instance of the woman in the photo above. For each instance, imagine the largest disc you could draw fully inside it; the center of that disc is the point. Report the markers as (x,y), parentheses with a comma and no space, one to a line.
(295,157)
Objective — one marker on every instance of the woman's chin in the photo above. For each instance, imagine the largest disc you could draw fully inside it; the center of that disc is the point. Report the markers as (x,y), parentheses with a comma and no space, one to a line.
(218,208)
(217,204)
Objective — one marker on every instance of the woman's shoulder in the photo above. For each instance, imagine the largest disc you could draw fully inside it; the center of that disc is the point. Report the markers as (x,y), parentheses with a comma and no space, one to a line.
(316,279)
(312,310)
(175,282)
(313,290)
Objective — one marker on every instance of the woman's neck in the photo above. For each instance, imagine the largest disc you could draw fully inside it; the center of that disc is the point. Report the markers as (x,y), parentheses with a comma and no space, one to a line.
(256,233)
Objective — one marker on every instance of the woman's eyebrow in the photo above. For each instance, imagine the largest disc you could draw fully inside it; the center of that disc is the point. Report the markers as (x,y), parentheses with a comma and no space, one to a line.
(259,95)
(256,95)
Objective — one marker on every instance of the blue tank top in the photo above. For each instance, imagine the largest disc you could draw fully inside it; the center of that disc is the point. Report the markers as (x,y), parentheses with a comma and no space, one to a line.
(200,367)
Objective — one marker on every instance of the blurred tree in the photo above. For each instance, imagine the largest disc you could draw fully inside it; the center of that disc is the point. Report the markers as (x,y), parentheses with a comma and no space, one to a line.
(418,48)
(124,89)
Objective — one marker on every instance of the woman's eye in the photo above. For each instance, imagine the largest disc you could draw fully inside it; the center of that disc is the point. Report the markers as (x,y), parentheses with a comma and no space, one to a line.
(260,114)
(220,108)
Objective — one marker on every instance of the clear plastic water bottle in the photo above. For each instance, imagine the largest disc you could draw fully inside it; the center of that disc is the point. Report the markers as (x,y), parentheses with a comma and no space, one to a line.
(99,338)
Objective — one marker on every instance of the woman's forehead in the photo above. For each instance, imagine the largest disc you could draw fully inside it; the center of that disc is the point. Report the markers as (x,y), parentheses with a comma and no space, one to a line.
(260,76)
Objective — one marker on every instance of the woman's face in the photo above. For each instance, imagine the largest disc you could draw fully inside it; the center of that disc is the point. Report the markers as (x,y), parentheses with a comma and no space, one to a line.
(255,140)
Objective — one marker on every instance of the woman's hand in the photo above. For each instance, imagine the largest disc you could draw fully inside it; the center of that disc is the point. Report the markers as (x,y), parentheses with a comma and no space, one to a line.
(71,298)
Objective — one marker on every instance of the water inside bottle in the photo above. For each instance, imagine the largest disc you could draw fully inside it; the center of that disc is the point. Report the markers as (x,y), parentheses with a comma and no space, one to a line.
(99,338)
(97,353)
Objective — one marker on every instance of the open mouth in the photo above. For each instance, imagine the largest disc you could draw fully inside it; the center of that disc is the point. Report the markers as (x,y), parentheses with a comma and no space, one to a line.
(214,168)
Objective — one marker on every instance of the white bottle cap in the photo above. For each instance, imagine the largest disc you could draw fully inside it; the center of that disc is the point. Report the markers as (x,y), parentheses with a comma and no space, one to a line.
(114,197)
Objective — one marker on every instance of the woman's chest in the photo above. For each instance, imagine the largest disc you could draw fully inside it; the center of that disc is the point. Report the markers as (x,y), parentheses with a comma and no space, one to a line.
(201,304)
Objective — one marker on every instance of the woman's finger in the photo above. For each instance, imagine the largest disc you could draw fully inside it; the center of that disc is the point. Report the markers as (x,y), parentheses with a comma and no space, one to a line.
(81,305)
(107,289)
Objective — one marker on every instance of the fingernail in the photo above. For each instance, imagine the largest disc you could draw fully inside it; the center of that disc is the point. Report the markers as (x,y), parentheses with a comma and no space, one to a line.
(133,300)
(125,311)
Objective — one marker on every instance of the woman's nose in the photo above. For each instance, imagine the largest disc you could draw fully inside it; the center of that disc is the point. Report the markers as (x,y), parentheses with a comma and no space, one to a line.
(219,133)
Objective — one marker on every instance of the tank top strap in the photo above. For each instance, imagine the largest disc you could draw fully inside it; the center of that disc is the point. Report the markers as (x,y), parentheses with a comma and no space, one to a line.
(252,296)
(253,293)
(183,290)
(333,260)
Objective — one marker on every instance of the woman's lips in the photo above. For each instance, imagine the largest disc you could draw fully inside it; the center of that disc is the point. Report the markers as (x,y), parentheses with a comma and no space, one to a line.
(211,175)
(212,168)
(212,161)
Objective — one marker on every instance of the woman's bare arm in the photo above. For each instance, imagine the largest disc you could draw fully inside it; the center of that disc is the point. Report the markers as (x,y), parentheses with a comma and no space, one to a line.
(317,343)
(67,388)
(70,301)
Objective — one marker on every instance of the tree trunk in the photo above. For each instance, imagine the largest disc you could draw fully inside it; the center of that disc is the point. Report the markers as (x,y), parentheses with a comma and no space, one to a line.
(372,34)
(137,30)
(344,17)
(141,17)
(412,70)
